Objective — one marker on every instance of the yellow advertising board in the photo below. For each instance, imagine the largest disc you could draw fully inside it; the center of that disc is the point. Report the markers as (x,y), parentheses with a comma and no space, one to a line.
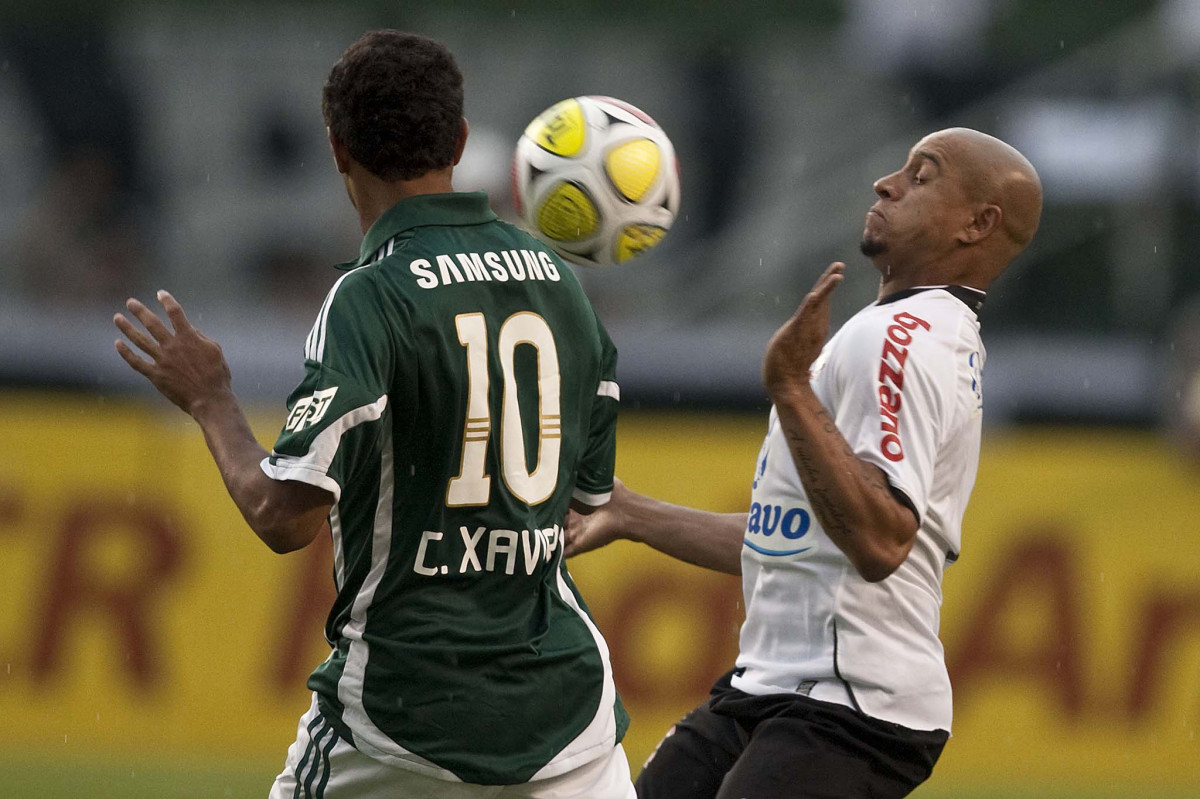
(141,621)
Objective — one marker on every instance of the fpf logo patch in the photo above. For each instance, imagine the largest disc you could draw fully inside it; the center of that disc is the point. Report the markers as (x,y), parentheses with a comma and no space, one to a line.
(309,410)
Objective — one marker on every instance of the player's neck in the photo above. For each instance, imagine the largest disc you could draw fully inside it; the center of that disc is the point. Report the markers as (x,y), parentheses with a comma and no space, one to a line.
(372,197)
(894,278)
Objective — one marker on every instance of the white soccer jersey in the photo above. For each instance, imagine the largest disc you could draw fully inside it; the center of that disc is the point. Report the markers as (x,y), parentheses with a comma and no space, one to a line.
(902,379)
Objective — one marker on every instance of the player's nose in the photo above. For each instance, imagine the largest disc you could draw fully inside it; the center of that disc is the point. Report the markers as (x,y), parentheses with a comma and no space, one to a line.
(886,187)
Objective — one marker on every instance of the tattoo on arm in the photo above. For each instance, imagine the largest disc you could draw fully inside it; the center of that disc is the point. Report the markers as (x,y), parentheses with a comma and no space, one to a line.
(814,481)
(833,520)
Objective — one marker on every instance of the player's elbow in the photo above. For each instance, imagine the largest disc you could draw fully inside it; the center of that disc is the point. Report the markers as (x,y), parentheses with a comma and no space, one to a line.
(883,556)
(280,529)
(281,538)
(876,569)
(287,516)
(281,542)
(882,545)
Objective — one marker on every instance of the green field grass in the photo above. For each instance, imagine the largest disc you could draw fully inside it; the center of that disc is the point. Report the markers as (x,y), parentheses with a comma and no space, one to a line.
(72,780)
(77,779)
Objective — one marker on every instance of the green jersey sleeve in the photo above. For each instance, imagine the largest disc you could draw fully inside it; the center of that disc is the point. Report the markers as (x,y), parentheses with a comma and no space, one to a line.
(336,414)
(594,483)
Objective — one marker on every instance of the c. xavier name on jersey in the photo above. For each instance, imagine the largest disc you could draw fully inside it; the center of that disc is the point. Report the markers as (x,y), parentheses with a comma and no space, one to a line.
(502,551)
(901,380)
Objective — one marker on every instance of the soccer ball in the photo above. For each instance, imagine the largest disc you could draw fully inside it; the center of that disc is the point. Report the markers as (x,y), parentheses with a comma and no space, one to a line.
(596,179)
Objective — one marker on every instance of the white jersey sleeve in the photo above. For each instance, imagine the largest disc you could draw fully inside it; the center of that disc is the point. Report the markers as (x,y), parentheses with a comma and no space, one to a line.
(892,396)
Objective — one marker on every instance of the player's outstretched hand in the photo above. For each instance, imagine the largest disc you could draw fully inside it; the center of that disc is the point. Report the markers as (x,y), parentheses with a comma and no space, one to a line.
(186,366)
(602,526)
(795,345)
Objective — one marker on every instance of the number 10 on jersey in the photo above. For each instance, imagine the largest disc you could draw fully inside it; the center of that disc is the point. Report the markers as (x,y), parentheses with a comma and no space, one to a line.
(472,485)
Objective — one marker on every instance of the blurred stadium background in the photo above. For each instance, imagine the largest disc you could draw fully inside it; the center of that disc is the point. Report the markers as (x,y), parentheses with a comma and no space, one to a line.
(150,647)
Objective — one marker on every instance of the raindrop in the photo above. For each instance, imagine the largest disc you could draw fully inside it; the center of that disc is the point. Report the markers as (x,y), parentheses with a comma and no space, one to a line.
(1156,249)
(1087,384)
(1062,45)
(1101,576)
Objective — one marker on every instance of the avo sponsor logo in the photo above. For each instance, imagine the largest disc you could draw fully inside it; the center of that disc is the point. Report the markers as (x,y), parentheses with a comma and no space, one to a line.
(777,530)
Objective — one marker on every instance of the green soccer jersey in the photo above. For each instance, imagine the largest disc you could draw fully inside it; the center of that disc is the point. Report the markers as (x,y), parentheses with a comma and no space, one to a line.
(458,391)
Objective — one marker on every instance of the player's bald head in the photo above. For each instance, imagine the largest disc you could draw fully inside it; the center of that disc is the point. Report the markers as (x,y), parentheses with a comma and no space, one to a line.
(995,173)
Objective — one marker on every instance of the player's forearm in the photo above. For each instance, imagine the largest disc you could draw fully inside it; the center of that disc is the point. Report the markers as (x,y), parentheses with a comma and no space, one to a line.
(703,538)
(851,498)
(271,508)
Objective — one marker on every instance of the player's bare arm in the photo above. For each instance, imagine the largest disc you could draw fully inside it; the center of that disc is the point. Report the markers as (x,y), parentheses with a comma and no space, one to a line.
(189,369)
(702,538)
(852,498)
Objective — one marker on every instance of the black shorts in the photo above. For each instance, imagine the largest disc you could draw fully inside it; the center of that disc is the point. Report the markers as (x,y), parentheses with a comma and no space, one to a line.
(738,746)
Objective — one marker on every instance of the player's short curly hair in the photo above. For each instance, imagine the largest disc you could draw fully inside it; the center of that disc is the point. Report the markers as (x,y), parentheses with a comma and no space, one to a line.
(395,101)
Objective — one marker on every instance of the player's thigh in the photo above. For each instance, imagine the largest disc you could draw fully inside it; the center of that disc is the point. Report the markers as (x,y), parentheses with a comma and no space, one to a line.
(693,758)
(792,758)
(606,777)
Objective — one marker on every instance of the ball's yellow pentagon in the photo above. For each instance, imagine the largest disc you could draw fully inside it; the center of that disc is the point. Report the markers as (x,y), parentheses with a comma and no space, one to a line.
(635,239)
(632,167)
(568,213)
(561,129)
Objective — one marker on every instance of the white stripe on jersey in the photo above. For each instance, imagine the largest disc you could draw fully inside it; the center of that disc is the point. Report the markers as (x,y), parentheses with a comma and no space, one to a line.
(368,738)
(314,345)
(600,736)
(609,388)
(594,500)
(313,466)
(339,552)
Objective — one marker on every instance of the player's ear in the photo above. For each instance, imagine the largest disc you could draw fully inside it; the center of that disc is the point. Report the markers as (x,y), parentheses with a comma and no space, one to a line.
(462,141)
(984,222)
(341,156)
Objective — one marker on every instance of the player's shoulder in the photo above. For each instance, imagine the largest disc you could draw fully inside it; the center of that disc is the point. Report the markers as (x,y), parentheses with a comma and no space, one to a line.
(928,315)
(926,331)
(356,289)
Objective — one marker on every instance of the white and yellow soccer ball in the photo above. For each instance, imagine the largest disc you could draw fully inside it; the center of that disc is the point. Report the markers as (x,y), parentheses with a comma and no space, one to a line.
(596,179)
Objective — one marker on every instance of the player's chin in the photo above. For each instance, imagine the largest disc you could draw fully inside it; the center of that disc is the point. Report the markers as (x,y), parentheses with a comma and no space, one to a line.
(871,246)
